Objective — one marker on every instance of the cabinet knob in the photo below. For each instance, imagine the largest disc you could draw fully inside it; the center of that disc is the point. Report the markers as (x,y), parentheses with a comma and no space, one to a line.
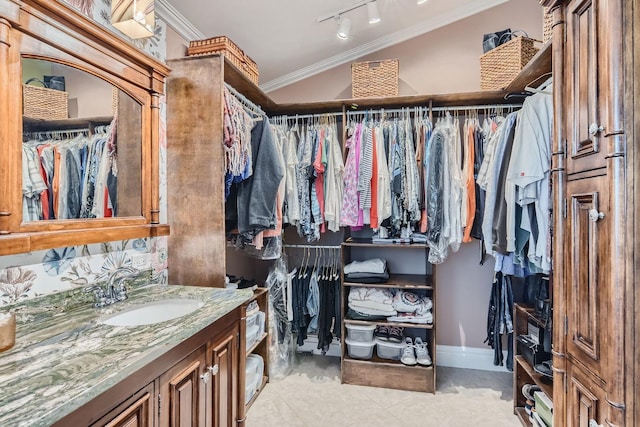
(205,377)
(214,369)
(595,216)
(594,423)
(595,129)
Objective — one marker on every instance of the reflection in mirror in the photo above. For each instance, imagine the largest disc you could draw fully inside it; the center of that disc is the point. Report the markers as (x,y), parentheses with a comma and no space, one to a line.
(81,151)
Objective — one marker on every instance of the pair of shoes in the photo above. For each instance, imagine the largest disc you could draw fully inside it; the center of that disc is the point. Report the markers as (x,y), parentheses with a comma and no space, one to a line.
(417,353)
(388,333)
(381,332)
(422,354)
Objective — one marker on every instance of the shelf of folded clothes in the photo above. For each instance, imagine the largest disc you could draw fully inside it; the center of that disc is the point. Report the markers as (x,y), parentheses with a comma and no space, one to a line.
(400,281)
(389,306)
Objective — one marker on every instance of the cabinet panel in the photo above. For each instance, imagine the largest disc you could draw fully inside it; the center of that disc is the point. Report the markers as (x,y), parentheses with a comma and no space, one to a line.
(584,136)
(137,411)
(182,397)
(588,271)
(223,396)
(586,400)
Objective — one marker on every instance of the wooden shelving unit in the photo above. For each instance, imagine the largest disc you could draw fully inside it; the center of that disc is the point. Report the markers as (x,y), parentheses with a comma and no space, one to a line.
(260,347)
(378,372)
(523,372)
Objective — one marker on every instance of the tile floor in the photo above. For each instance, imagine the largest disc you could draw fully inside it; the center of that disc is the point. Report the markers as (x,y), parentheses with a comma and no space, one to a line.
(313,396)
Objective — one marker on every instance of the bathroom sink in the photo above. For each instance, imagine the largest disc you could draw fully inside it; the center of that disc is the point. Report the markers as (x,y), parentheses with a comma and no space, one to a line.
(153,312)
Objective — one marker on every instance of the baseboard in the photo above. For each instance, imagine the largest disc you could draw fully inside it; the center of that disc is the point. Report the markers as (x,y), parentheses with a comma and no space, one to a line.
(468,358)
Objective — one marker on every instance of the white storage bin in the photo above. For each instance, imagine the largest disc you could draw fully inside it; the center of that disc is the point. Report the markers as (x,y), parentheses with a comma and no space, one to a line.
(360,350)
(389,350)
(253,334)
(254,365)
(254,319)
(360,333)
(252,383)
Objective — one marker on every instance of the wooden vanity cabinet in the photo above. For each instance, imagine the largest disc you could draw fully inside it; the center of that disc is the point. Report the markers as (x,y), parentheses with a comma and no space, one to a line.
(54,33)
(194,384)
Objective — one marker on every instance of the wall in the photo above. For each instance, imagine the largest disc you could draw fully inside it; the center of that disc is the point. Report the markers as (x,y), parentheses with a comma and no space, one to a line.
(45,272)
(443,61)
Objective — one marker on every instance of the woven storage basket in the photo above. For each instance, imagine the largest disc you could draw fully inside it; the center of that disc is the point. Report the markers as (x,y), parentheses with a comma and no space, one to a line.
(547,24)
(231,51)
(374,79)
(501,65)
(46,104)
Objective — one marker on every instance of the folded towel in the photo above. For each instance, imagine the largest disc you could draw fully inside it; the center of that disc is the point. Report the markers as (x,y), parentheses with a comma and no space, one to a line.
(374,265)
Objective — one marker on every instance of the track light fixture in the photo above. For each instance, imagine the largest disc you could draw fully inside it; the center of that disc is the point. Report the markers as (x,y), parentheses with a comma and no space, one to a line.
(344,27)
(345,23)
(372,10)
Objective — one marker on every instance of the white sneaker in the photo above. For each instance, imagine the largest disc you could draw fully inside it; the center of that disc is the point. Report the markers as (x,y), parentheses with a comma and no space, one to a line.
(422,354)
(408,353)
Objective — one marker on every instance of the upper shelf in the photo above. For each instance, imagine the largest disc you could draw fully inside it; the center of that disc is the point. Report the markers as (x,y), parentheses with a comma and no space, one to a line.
(537,67)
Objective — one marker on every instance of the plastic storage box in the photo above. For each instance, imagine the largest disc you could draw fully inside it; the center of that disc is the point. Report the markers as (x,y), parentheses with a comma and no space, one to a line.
(251,387)
(389,350)
(253,334)
(360,333)
(257,319)
(254,365)
(360,350)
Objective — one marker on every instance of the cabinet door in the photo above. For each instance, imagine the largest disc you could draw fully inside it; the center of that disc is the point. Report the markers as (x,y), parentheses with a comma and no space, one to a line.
(223,399)
(587,272)
(584,62)
(182,392)
(586,400)
(136,411)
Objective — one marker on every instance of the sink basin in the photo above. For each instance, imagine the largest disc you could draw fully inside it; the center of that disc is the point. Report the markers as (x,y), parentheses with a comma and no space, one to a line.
(153,312)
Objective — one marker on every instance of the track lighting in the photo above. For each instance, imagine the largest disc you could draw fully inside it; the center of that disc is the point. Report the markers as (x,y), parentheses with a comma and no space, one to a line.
(344,27)
(372,9)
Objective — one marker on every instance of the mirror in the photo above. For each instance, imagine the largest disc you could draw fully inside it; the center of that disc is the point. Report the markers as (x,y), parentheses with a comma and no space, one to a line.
(82,145)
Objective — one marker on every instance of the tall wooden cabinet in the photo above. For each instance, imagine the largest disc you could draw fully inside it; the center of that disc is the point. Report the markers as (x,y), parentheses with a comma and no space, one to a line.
(595,305)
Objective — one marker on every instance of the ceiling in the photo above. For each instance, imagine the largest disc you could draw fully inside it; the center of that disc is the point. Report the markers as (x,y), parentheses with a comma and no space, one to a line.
(288,43)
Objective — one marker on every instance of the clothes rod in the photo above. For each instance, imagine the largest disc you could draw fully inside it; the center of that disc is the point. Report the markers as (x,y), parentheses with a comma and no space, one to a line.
(243,99)
(306,116)
(426,108)
(311,246)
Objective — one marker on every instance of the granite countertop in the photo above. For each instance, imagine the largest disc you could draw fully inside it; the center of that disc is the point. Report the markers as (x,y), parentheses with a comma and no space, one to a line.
(64,356)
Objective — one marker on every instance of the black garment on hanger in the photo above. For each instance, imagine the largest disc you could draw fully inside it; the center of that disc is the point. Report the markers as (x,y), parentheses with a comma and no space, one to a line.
(500,319)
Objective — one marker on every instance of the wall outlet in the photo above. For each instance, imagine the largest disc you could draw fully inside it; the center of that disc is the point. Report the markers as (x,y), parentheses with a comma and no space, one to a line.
(140,261)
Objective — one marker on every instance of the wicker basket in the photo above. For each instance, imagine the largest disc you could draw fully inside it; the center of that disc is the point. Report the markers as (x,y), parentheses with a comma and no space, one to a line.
(46,104)
(501,65)
(547,24)
(231,51)
(374,79)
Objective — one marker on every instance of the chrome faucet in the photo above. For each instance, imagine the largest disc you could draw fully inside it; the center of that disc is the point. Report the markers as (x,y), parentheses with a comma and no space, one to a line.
(114,290)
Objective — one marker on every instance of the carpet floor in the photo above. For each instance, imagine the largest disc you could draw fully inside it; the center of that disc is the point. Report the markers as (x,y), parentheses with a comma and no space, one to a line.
(311,395)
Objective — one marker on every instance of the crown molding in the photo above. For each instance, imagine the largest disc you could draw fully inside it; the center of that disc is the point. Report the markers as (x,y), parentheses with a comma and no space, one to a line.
(430,24)
(177,21)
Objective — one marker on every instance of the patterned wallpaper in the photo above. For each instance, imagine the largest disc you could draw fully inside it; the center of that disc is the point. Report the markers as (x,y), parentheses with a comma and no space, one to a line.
(141,260)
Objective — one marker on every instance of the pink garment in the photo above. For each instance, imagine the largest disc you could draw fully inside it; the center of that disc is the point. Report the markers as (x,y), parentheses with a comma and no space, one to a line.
(350,200)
